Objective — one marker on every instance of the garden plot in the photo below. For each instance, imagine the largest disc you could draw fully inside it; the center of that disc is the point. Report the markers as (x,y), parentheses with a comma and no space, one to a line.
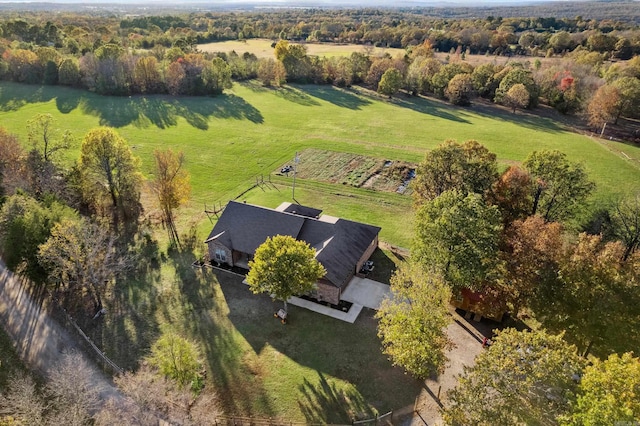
(356,170)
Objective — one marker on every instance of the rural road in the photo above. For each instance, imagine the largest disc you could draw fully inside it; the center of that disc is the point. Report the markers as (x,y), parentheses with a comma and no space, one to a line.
(39,340)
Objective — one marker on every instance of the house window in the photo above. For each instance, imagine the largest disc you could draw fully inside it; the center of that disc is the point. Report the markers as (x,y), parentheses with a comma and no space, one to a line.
(220,255)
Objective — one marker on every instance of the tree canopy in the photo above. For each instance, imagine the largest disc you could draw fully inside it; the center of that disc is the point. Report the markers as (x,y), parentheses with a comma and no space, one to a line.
(110,171)
(560,185)
(523,378)
(467,167)
(283,267)
(457,235)
(413,321)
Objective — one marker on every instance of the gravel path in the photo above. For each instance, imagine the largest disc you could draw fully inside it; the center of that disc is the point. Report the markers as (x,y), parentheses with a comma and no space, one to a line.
(39,340)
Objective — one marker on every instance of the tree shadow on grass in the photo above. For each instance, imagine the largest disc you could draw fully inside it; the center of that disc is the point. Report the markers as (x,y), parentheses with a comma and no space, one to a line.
(339,97)
(163,111)
(129,327)
(14,96)
(325,403)
(333,348)
(430,107)
(295,95)
(230,365)
(527,119)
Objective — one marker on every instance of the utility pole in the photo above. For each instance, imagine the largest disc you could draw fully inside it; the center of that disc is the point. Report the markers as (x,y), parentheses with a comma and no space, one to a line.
(296,160)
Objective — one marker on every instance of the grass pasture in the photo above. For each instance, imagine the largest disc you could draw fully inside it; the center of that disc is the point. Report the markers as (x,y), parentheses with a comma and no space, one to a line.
(262,48)
(257,366)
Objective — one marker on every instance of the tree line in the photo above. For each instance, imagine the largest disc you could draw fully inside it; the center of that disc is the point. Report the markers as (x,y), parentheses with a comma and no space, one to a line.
(584,82)
(506,239)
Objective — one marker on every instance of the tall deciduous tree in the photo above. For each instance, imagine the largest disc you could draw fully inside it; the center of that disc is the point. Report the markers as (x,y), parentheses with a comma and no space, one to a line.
(517,97)
(511,193)
(271,72)
(11,161)
(596,298)
(457,235)
(172,187)
(46,137)
(467,167)
(523,378)
(81,258)
(460,89)
(283,267)
(608,393)
(560,186)
(625,218)
(531,254)
(110,170)
(390,82)
(413,321)
(216,76)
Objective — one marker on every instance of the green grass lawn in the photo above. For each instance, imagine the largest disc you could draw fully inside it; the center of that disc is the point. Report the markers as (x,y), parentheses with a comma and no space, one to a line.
(314,369)
(250,131)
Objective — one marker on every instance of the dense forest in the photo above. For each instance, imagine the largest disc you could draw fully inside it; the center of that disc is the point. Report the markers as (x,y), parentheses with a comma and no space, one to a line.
(159,54)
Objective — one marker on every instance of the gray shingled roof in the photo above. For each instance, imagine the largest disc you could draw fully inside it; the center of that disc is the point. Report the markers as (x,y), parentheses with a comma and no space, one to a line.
(339,245)
(246,226)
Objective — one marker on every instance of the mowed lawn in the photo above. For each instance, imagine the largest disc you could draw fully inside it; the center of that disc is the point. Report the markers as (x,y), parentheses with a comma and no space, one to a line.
(315,368)
(251,131)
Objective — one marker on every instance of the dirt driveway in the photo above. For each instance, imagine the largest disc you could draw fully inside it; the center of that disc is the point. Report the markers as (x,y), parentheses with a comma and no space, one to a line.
(39,340)
(467,336)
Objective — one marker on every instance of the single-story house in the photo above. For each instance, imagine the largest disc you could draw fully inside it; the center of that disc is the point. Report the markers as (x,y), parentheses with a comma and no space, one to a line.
(342,246)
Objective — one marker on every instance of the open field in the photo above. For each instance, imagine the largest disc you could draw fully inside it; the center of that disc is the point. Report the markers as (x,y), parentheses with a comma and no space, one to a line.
(251,131)
(262,48)
(256,365)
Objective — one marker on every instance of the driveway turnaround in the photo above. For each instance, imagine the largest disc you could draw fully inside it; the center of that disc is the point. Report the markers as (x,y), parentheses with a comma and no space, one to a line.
(366,292)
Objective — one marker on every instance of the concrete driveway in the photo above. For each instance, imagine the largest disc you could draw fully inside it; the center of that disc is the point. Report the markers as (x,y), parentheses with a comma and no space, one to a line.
(366,292)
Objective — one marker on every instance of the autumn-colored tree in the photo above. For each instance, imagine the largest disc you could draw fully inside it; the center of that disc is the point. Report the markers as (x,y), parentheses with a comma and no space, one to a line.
(460,89)
(390,82)
(457,235)
(146,75)
(271,72)
(11,163)
(607,393)
(283,267)
(175,78)
(516,76)
(560,186)
(466,167)
(531,254)
(110,171)
(81,258)
(512,194)
(603,106)
(413,321)
(523,378)
(172,187)
(596,298)
(69,72)
(517,97)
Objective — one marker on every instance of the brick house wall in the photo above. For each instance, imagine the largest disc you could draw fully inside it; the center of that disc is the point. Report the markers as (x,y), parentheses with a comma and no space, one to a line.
(213,247)
(367,254)
(327,292)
